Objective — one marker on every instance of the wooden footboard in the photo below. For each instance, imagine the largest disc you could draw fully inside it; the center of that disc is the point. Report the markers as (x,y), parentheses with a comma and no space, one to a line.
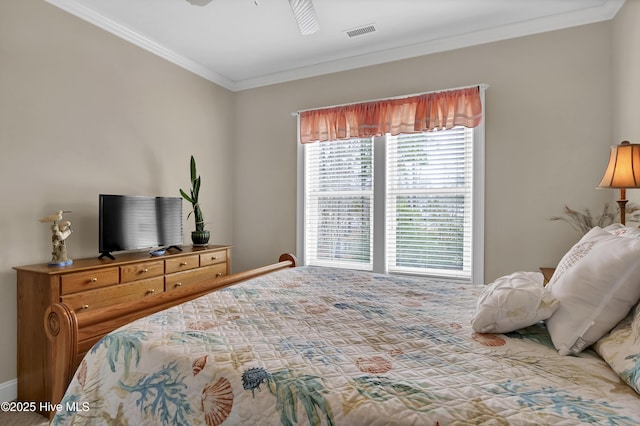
(72,335)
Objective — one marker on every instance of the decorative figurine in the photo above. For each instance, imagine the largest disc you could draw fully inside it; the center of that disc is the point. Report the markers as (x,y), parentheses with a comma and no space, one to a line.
(60,230)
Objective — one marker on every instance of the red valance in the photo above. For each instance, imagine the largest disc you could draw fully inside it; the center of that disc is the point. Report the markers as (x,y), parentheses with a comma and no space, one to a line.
(421,113)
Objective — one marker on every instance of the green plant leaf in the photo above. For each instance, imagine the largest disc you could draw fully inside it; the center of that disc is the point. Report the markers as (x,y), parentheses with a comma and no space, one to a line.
(196,189)
(193,198)
(185,196)
(193,169)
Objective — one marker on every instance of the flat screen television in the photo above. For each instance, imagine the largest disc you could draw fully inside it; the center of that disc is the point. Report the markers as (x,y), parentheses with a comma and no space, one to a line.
(132,222)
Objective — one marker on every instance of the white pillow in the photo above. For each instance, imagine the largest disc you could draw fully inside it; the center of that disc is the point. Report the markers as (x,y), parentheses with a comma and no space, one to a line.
(597,282)
(512,302)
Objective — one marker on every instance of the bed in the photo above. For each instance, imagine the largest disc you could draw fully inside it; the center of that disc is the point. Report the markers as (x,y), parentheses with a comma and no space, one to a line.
(324,346)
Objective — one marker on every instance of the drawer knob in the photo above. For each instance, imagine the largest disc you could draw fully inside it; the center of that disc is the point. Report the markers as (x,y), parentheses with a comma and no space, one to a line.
(93,280)
(151,291)
(183,263)
(219,274)
(178,285)
(83,307)
(145,270)
(214,257)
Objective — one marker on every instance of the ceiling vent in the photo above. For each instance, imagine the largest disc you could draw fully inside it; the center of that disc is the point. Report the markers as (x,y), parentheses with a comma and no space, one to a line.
(365,29)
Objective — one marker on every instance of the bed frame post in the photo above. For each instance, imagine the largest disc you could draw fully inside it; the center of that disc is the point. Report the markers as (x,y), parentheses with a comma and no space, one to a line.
(61,327)
(289,257)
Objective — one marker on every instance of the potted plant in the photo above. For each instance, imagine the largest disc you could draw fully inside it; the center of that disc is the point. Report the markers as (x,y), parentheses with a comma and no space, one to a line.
(200,236)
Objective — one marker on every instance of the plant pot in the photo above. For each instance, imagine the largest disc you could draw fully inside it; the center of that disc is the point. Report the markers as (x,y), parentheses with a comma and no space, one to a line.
(200,238)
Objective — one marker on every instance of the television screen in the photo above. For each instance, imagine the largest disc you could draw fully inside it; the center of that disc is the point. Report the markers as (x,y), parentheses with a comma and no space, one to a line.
(129,222)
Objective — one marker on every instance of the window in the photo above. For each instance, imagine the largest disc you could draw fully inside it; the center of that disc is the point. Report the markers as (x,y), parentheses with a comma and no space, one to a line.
(397,204)
(338,229)
(428,202)
(408,204)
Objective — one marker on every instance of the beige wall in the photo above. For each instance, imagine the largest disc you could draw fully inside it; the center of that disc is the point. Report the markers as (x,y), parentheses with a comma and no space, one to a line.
(548,128)
(626,80)
(83,112)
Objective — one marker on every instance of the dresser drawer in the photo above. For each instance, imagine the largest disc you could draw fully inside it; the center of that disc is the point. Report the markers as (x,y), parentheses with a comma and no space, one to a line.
(213,258)
(182,263)
(201,275)
(140,271)
(88,280)
(103,297)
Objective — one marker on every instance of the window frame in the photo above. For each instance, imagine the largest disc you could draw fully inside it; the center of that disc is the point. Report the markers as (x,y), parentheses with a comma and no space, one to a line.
(315,196)
(440,189)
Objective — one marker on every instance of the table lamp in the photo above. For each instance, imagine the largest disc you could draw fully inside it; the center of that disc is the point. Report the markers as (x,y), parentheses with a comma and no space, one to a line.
(623,171)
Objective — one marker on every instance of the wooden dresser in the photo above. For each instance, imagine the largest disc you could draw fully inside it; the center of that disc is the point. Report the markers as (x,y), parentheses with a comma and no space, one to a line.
(94,283)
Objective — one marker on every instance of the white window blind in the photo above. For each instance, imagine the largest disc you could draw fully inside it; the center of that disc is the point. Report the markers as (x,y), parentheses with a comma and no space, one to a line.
(429,203)
(339,204)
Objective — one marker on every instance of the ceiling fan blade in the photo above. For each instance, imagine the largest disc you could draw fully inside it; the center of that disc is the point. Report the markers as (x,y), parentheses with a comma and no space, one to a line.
(199,2)
(305,15)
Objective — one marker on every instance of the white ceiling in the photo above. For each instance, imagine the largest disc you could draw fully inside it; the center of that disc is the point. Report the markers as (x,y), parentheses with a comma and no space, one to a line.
(239,44)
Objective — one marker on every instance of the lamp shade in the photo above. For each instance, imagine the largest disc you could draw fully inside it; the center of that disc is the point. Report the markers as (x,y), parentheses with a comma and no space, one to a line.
(623,170)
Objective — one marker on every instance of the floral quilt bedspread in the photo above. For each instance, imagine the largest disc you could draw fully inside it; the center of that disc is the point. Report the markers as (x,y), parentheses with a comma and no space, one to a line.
(326,346)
